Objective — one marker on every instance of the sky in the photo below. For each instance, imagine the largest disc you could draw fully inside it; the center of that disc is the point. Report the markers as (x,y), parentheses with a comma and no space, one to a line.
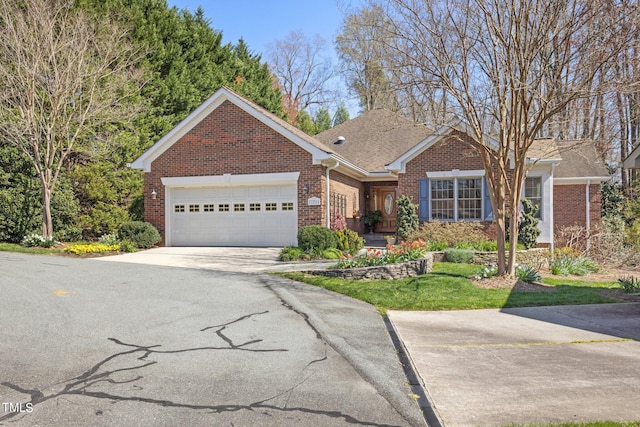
(261,22)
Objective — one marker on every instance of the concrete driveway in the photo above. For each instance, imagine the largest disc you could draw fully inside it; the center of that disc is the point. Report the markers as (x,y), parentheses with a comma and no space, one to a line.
(238,260)
(534,365)
(92,342)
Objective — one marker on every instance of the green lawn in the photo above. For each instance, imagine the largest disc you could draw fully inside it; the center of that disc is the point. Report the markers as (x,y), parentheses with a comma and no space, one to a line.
(448,288)
(13,247)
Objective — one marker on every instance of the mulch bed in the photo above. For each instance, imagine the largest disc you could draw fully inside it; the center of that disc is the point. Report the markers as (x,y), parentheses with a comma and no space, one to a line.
(512,284)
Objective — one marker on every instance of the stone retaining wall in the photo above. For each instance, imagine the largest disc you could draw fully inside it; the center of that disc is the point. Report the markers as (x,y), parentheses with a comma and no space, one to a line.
(382,272)
(534,257)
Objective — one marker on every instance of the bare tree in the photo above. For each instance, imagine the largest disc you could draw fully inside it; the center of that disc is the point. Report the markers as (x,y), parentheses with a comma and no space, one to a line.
(363,57)
(64,79)
(508,67)
(302,70)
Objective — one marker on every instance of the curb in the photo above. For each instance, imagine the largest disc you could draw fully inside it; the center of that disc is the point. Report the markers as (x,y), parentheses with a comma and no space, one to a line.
(424,401)
(360,363)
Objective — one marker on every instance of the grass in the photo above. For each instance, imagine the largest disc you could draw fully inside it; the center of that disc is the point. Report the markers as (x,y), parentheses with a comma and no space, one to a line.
(13,247)
(447,287)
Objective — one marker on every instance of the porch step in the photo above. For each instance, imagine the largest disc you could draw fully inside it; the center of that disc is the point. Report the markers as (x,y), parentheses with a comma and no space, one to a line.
(374,240)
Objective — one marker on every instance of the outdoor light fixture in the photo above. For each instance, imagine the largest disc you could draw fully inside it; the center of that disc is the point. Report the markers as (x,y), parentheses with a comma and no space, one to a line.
(154,194)
(305,189)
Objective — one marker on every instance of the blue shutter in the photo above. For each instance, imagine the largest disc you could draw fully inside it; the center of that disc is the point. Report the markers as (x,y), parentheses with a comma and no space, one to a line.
(423,211)
(488,210)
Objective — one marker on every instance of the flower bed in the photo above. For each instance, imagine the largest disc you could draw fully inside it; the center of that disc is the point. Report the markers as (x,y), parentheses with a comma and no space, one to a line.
(396,262)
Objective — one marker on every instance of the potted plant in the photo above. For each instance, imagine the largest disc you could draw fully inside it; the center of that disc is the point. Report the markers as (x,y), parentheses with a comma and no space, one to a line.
(371,218)
(391,240)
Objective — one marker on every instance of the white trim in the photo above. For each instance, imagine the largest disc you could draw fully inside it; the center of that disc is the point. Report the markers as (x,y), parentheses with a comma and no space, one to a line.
(231,180)
(632,161)
(588,213)
(580,180)
(457,173)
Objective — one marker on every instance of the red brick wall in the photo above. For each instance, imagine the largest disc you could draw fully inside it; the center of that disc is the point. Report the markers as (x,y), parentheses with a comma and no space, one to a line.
(230,141)
(353,191)
(569,203)
(455,152)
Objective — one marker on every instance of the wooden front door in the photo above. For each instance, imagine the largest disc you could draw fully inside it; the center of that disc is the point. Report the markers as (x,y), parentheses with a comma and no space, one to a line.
(384,199)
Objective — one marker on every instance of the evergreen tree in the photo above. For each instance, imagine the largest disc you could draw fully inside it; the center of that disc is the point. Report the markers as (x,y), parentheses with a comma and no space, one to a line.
(305,123)
(341,116)
(322,120)
(528,230)
(407,221)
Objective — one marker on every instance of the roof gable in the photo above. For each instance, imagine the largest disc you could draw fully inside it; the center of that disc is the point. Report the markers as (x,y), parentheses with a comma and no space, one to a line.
(375,138)
(318,150)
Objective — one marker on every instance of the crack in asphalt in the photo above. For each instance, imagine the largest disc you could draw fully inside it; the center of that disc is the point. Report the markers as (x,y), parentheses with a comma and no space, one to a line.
(80,385)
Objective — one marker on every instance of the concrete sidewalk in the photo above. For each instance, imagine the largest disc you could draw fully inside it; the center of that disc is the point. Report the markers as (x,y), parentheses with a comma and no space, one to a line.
(527,365)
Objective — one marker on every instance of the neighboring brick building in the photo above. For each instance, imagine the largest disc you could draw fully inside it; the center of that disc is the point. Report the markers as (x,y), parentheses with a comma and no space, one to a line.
(232,173)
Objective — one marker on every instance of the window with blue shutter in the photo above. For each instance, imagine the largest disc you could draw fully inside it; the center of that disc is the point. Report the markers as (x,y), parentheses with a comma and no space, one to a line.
(488,210)
(423,207)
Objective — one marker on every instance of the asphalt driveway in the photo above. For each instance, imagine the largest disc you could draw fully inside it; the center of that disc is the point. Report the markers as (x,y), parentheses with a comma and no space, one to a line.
(92,342)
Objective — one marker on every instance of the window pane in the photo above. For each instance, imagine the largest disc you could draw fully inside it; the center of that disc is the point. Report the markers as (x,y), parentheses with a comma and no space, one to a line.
(533,192)
(442,199)
(470,199)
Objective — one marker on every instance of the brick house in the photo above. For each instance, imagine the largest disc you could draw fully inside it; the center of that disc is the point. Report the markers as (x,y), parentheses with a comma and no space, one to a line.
(232,173)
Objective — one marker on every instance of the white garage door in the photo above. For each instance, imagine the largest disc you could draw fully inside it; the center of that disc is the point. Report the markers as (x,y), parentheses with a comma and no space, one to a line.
(237,215)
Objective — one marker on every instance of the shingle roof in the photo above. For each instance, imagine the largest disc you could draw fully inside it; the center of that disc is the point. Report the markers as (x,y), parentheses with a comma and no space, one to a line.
(579,159)
(375,138)
(544,148)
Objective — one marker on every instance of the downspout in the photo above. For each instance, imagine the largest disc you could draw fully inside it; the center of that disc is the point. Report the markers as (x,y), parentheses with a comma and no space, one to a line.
(551,221)
(328,192)
(588,214)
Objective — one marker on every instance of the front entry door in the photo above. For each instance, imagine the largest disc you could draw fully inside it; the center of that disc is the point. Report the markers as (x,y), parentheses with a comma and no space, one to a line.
(384,199)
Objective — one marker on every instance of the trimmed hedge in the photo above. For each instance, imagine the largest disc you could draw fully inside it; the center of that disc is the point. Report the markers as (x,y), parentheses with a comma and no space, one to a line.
(316,237)
(142,234)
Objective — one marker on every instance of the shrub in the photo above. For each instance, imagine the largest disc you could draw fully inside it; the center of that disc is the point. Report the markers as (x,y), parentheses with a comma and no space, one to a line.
(527,273)
(331,253)
(109,239)
(127,246)
(629,284)
(142,234)
(437,246)
(528,230)
(580,266)
(349,241)
(34,239)
(316,236)
(93,248)
(407,221)
(290,253)
(450,232)
(459,255)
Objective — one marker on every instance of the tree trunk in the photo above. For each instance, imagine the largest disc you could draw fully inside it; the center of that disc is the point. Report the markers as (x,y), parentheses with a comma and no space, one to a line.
(513,239)
(47,222)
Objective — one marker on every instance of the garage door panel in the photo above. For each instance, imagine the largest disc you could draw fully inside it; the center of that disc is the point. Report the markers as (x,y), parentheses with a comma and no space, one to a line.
(235,216)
